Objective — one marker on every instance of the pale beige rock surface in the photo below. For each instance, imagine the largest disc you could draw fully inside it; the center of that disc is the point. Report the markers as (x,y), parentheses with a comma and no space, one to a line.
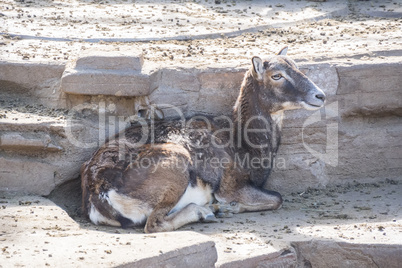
(357,225)
(194,55)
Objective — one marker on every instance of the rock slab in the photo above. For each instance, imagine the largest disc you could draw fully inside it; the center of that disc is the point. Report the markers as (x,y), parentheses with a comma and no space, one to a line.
(114,73)
(317,253)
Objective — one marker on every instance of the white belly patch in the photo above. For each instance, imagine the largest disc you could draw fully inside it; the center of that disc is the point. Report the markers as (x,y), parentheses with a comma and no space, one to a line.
(199,195)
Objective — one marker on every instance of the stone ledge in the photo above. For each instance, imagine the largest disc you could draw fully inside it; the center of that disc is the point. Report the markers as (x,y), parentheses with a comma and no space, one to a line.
(369,78)
(16,141)
(29,74)
(201,254)
(105,82)
(319,253)
(26,175)
(113,73)
(110,60)
(370,89)
(279,258)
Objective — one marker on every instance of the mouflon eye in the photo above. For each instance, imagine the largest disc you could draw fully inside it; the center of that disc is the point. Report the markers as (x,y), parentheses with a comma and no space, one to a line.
(276,76)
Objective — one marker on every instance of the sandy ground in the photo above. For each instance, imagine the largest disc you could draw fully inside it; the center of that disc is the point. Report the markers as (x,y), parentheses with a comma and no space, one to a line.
(355,213)
(35,231)
(199,33)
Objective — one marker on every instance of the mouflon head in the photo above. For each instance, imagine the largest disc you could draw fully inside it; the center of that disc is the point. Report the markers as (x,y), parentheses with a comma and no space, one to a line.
(283,85)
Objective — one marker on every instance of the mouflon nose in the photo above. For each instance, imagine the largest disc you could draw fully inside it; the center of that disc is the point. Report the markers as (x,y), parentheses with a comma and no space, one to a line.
(320,96)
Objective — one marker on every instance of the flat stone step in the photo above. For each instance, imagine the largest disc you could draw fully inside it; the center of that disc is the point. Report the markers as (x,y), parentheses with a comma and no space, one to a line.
(35,153)
(105,82)
(115,73)
(334,254)
(110,60)
(16,141)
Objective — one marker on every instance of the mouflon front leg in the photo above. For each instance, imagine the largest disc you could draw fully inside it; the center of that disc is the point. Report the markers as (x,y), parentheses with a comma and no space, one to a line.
(248,199)
(159,221)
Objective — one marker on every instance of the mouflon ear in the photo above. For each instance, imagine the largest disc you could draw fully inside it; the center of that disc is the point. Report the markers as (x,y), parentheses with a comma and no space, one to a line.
(283,51)
(258,68)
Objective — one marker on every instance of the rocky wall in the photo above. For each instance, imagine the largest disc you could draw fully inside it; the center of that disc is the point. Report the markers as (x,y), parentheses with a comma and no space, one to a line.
(357,136)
